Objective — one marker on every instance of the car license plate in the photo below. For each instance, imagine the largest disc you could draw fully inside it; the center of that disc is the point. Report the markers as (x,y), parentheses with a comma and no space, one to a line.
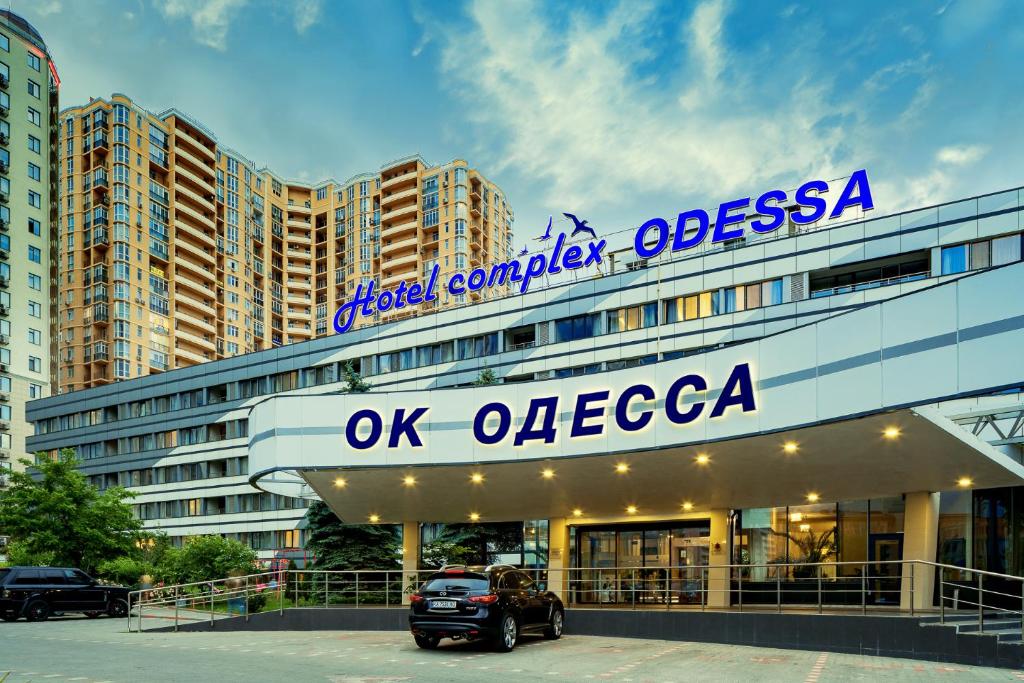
(442,604)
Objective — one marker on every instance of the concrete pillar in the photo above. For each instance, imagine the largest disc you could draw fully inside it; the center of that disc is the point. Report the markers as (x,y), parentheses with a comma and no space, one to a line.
(920,536)
(410,558)
(559,557)
(718,555)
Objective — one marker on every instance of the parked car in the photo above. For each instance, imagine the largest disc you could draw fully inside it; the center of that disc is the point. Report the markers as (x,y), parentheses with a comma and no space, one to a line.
(498,602)
(37,592)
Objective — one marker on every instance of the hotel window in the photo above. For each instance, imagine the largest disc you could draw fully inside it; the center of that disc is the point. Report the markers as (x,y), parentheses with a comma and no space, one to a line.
(33,89)
(577,327)
(633,317)
(35,364)
(35,199)
(5,43)
(34,309)
(954,259)
(33,116)
(33,61)
(35,337)
(35,282)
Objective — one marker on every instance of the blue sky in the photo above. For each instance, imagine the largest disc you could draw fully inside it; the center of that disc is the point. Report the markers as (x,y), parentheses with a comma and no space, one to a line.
(614,111)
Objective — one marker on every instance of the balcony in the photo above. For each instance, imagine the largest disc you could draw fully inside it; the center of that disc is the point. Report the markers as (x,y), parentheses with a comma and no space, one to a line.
(400,212)
(189,337)
(182,191)
(182,173)
(182,299)
(100,314)
(100,238)
(411,193)
(189,357)
(182,154)
(299,223)
(184,230)
(396,247)
(401,262)
(399,180)
(181,264)
(393,280)
(101,142)
(184,210)
(201,323)
(181,134)
(299,208)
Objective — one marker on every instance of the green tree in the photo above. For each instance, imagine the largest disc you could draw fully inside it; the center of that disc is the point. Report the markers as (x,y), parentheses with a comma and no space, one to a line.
(486,378)
(350,546)
(354,382)
(206,558)
(439,553)
(485,540)
(52,513)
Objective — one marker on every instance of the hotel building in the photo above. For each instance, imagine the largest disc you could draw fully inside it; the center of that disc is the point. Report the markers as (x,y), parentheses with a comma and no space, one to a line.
(885,354)
(28,209)
(176,250)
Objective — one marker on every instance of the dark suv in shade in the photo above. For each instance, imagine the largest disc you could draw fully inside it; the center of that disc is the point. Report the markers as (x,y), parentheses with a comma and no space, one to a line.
(498,602)
(37,592)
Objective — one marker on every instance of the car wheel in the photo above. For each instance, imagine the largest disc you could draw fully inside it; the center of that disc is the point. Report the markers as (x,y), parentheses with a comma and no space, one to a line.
(427,642)
(509,634)
(9,616)
(554,629)
(118,608)
(92,615)
(37,610)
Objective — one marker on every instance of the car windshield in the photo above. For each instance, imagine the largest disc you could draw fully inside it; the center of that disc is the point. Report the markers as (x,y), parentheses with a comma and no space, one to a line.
(457,583)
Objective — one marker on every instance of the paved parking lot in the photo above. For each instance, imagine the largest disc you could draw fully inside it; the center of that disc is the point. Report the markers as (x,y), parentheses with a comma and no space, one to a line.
(73,649)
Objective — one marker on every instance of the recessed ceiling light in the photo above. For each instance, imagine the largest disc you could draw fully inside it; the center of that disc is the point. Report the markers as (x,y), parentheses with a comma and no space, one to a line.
(891,433)
(374,519)
(476,478)
(622,468)
(965,482)
(577,513)
(790,447)
(339,482)
(702,459)
(631,509)
(687,506)
(813,497)
(474,516)
(547,473)
(409,480)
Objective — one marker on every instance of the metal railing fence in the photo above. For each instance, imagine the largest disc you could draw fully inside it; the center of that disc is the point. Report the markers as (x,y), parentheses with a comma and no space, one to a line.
(912,585)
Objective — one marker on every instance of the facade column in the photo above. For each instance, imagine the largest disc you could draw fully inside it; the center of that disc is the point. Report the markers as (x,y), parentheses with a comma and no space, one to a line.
(920,536)
(559,557)
(410,558)
(718,554)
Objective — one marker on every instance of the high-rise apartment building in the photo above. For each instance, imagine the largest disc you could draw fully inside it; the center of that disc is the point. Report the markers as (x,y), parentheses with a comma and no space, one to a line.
(28,214)
(176,250)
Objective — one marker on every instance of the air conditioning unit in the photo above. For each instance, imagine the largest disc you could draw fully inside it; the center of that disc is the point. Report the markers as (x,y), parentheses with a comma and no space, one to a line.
(3,367)
(5,426)
(4,254)
(5,455)
(4,339)
(5,398)
(4,282)
(3,309)
(3,225)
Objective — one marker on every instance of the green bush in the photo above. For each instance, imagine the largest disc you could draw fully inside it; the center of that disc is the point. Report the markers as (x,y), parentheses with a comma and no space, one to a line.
(124,571)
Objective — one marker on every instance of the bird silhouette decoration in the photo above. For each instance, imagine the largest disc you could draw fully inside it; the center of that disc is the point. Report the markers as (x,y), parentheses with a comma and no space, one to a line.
(580,226)
(524,252)
(547,235)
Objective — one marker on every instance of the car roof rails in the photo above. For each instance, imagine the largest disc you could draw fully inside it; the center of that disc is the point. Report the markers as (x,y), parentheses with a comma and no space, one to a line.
(499,566)
(451,566)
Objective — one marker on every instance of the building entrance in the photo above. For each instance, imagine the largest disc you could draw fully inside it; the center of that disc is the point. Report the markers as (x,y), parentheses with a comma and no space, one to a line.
(640,563)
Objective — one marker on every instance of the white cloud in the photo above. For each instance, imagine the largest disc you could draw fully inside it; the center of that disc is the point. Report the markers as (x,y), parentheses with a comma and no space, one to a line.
(210,18)
(568,108)
(961,155)
(47,7)
(306,13)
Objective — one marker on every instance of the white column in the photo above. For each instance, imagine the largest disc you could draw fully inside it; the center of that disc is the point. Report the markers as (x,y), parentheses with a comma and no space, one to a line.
(718,554)
(410,558)
(920,536)
(559,557)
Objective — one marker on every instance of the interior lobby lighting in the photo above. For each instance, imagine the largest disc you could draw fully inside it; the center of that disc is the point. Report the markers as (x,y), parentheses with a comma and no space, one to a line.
(476,478)
(409,480)
(805,527)
(964,482)
(547,473)
(374,519)
(622,468)
(577,513)
(340,483)
(702,459)
(813,497)
(631,509)
(474,516)
(687,506)
(891,433)
(796,517)
(790,447)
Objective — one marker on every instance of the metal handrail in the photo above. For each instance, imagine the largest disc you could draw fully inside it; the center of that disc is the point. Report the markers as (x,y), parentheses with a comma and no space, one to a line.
(623,586)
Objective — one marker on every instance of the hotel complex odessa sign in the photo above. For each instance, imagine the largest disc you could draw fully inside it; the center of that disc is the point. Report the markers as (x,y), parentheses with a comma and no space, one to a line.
(625,409)
(770,208)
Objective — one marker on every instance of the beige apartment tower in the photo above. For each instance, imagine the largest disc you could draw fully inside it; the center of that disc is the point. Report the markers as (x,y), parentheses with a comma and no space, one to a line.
(176,250)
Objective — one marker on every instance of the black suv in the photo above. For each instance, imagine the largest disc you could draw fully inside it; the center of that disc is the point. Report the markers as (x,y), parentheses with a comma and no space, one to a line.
(498,602)
(37,592)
